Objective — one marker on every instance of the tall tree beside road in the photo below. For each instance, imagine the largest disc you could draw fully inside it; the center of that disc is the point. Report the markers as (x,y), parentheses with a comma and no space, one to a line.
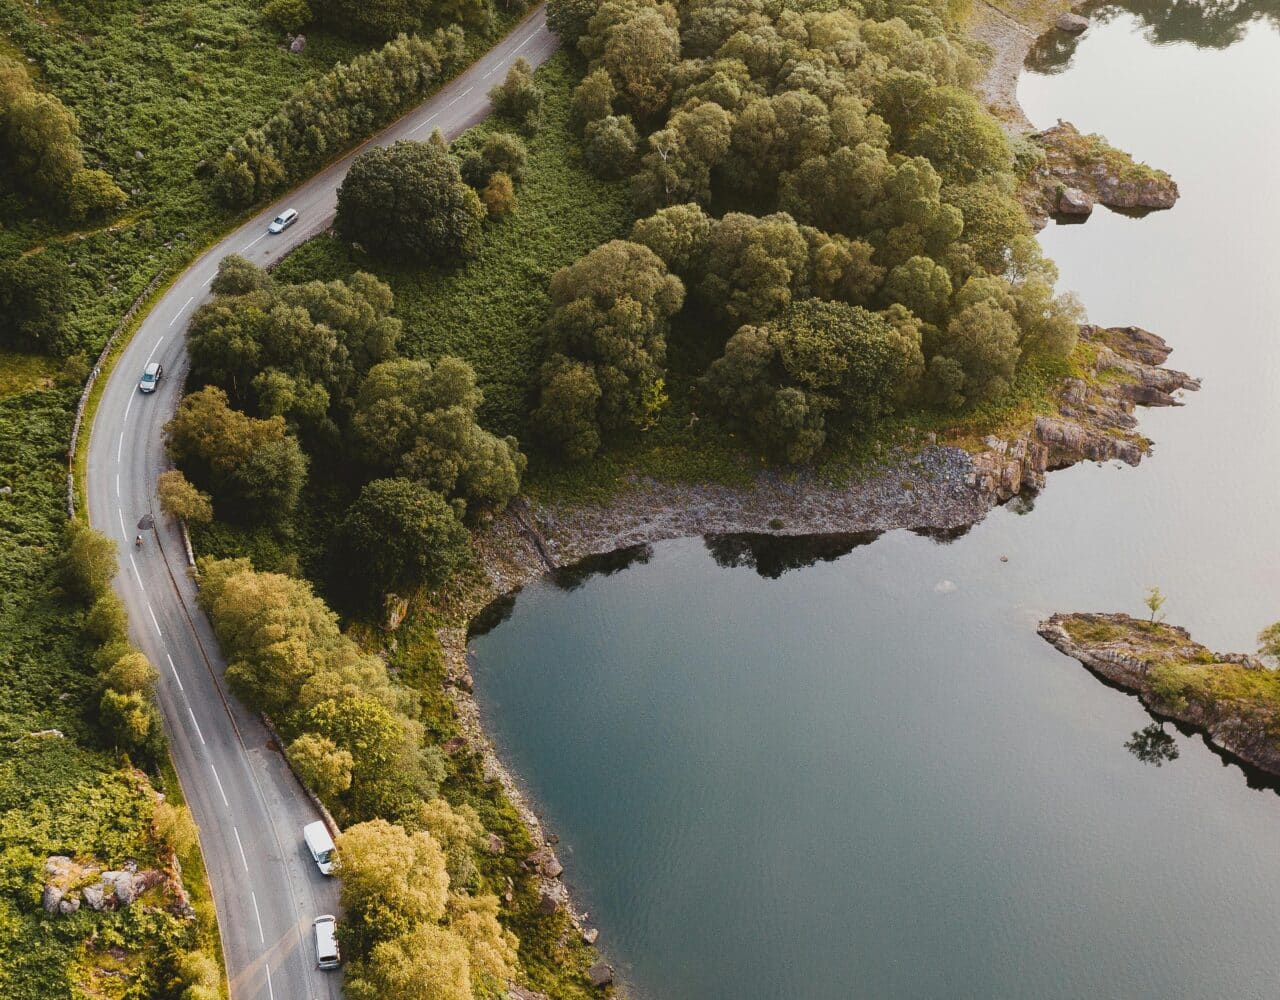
(409,200)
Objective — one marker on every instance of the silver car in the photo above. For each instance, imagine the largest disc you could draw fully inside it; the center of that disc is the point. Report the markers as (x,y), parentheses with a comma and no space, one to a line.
(283,221)
(150,377)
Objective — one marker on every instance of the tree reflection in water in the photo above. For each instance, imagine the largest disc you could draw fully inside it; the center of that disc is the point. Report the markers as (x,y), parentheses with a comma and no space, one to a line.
(1152,745)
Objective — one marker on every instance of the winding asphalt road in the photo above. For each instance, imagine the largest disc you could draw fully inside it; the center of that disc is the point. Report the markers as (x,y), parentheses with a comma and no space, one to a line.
(248,806)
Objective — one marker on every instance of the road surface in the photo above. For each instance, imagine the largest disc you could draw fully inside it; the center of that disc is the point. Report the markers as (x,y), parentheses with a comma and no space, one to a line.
(248,806)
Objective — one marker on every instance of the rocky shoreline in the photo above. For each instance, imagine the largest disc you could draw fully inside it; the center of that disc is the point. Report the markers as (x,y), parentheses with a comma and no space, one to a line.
(1177,678)
(941,488)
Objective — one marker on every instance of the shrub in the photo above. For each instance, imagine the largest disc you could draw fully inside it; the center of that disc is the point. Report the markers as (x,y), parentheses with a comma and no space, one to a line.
(499,196)
(93,193)
(609,146)
(106,619)
(519,98)
(178,498)
(287,15)
(35,295)
(89,562)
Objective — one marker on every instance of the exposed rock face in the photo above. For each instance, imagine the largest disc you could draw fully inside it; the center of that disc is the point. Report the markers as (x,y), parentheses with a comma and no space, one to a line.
(520,993)
(1073,201)
(1095,422)
(545,862)
(68,884)
(1092,171)
(1072,23)
(600,974)
(1124,650)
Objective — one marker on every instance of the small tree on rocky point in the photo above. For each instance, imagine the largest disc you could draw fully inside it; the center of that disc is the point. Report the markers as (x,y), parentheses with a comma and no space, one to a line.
(1154,602)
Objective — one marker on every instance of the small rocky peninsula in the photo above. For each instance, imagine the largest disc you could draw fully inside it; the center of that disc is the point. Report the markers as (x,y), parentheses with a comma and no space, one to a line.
(1232,698)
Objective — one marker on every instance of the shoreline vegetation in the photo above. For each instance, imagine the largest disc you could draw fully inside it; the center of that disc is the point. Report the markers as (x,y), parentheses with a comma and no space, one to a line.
(1232,699)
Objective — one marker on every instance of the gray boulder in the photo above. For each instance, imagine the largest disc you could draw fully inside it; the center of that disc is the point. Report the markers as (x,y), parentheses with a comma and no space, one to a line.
(69,905)
(298,44)
(51,898)
(95,896)
(600,974)
(1072,23)
(1073,201)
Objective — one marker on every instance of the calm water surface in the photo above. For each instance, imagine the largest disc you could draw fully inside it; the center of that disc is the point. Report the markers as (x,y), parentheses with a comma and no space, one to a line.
(869,778)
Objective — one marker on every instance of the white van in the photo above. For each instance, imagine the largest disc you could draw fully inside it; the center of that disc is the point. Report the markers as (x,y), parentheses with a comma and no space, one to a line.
(320,844)
(327,956)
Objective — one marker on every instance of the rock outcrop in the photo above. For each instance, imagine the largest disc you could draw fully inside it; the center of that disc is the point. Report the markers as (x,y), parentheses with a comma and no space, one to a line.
(1085,169)
(1139,656)
(69,883)
(1095,420)
(1071,23)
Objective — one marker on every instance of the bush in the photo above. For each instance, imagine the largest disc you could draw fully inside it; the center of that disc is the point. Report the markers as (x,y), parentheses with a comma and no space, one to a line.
(417,184)
(519,98)
(106,619)
(89,562)
(92,194)
(287,15)
(609,146)
(351,100)
(35,295)
(178,498)
(499,196)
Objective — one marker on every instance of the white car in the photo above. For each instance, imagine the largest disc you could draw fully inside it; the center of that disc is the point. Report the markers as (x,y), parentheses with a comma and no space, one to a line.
(326,928)
(151,376)
(283,221)
(320,846)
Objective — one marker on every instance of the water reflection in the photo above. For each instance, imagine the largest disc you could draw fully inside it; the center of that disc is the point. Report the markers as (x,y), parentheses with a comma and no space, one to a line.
(772,555)
(1152,745)
(1205,25)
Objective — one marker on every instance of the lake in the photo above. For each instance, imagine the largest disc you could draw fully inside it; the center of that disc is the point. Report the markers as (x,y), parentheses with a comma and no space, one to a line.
(867,776)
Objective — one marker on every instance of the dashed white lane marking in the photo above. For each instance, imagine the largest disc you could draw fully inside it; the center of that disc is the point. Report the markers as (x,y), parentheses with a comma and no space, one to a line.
(255,242)
(489,74)
(161,340)
(127,407)
(120,448)
(208,281)
(175,672)
(218,782)
(176,315)
(531,37)
(261,937)
(137,574)
(197,725)
(425,123)
(154,622)
(123,534)
(460,96)
(271,994)
(118,487)
(243,860)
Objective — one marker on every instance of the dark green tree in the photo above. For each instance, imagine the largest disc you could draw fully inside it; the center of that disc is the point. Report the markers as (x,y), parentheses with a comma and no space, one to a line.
(408,200)
(399,536)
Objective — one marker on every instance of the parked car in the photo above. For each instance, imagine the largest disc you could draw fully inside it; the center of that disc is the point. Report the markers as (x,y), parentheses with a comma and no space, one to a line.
(283,221)
(326,929)
(151,376)
(320,844)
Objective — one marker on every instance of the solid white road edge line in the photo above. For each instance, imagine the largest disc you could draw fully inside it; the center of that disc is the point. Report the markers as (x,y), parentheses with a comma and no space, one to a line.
(175,673)
(197,725)
(261,937)
(243,860)
(218,782)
